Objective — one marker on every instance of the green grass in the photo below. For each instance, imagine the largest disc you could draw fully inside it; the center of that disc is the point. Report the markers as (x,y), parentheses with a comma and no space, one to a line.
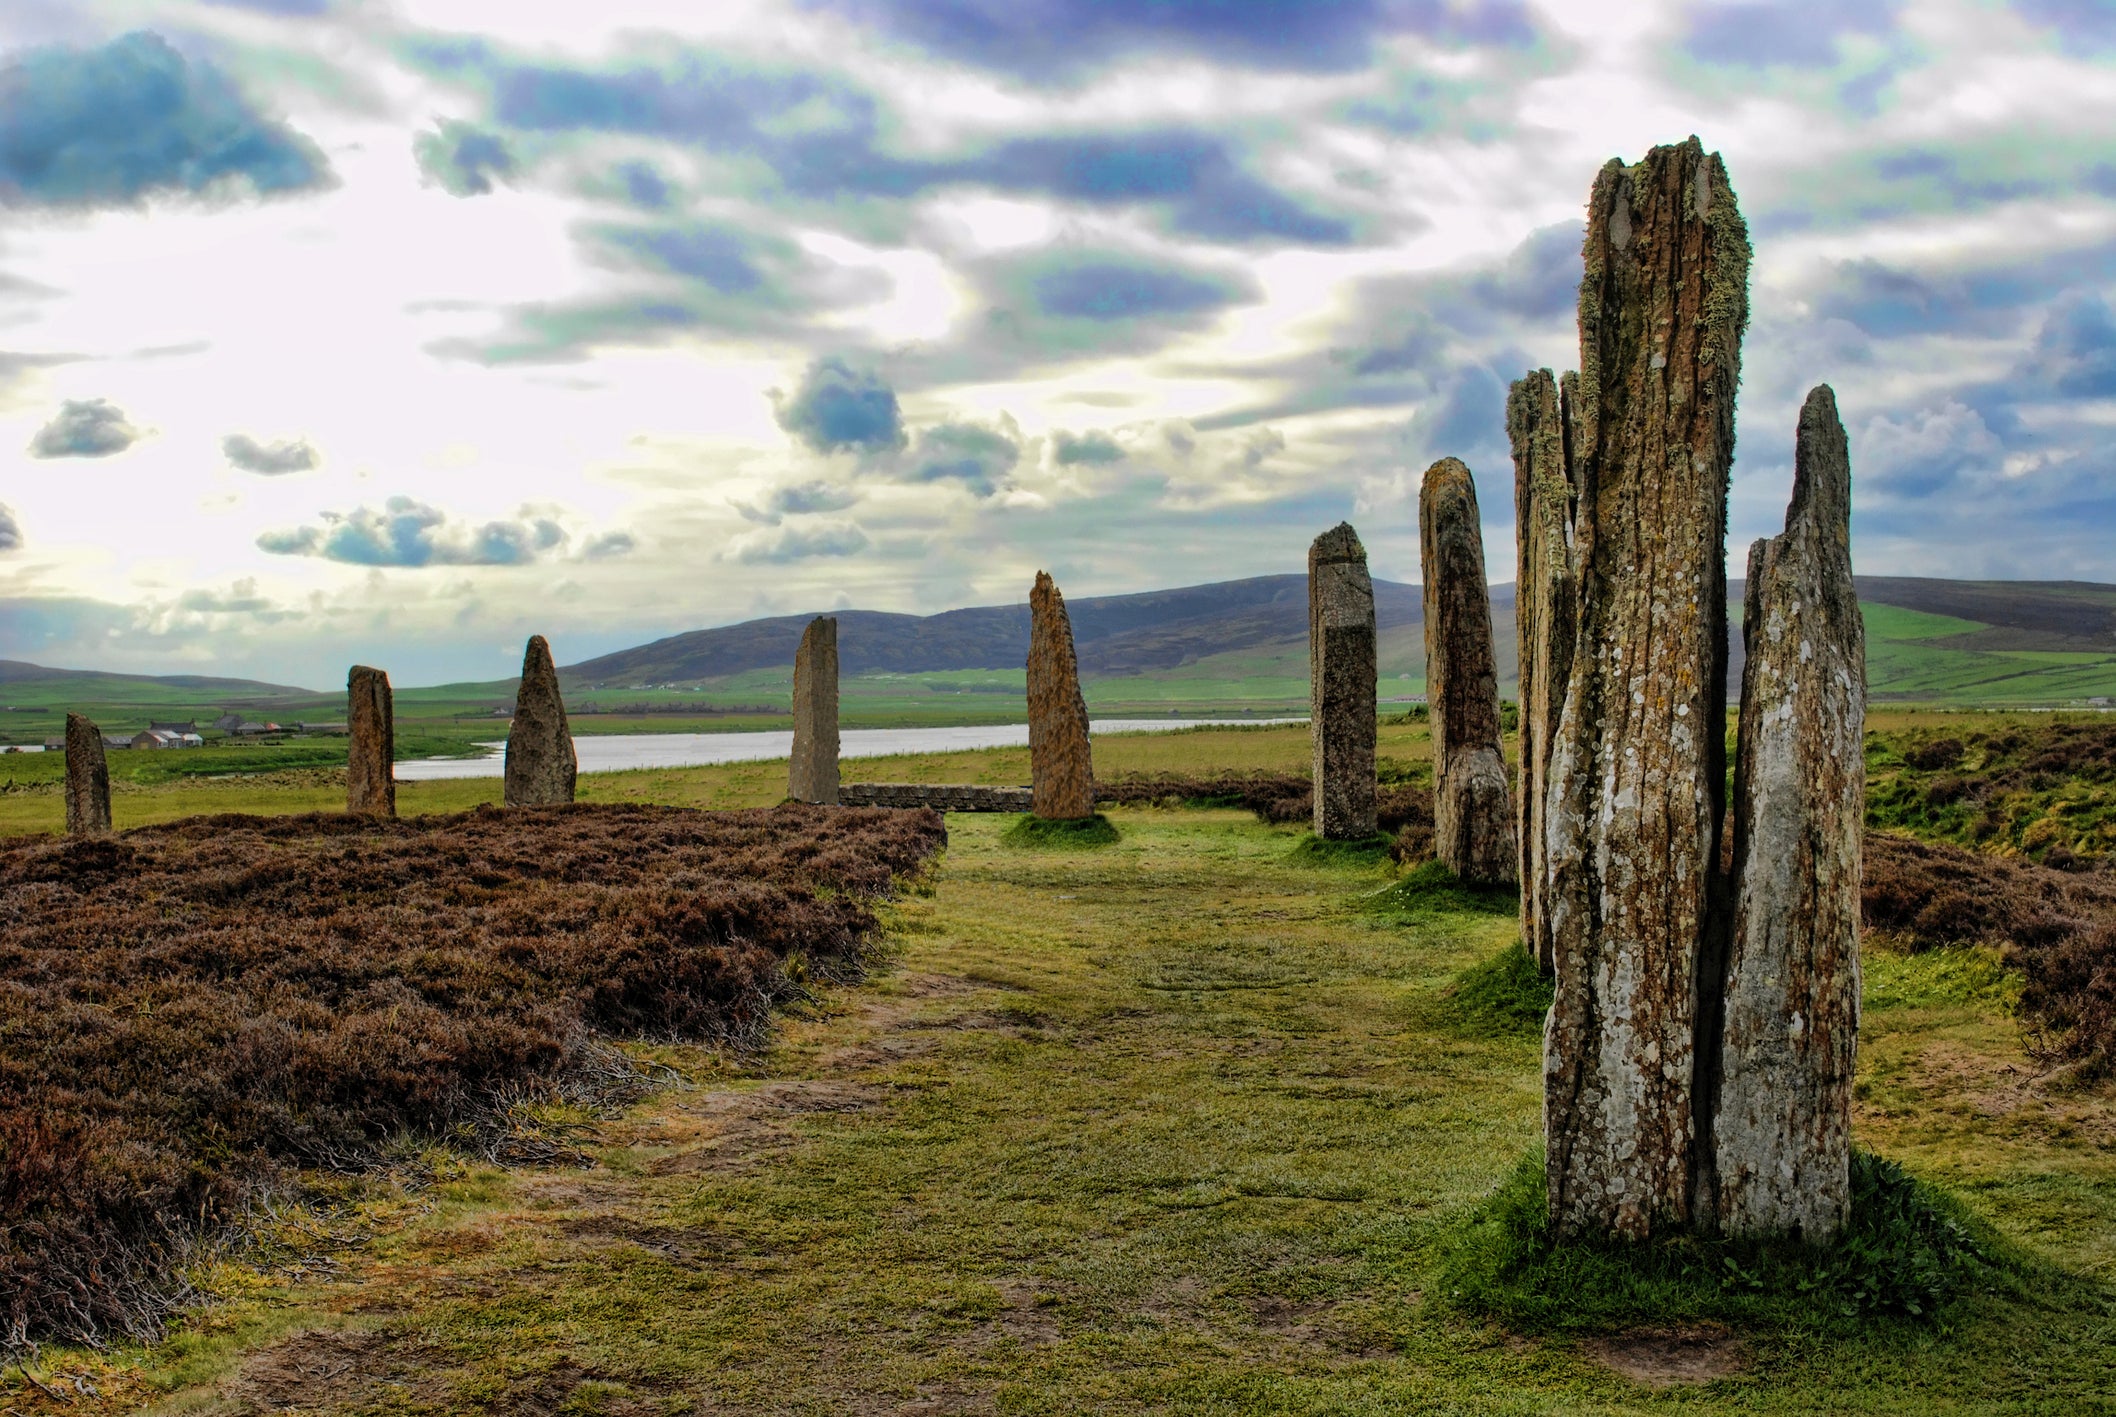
(1035,833)
(1909,1253)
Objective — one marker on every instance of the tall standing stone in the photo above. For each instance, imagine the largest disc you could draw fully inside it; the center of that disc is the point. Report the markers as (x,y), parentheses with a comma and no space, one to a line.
(541,765)
(1473,831)
(813,774)
(1538,415)
(1061,760)
(1782,1128)
(371,749)
(87,779)
(1638,763)
(1341,684)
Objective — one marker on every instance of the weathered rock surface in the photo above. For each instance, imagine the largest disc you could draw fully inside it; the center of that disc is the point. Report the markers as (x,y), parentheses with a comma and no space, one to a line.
(1537,424)
(541,764)
(813,774)
(371,748)
(1634,805)
(1473,831)
(1061,760)
(1782,1125)
(1341,684)
(87,779)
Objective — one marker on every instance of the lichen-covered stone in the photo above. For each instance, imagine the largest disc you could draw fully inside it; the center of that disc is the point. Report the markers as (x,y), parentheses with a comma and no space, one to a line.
(1637,767)
(812,776)
(87,779)
(541,765)
(1782,1125)
(1341,684)
(1537,424)
(371,745)
(1061,759)
(1473,832)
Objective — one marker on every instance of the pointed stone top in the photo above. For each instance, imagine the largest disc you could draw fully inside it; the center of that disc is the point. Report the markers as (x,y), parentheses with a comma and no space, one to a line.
(1821,465)
(536,658)
(1044,584)
(1340,543)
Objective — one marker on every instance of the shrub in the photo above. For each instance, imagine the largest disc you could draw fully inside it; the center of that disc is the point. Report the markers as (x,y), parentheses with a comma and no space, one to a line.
(187,1011)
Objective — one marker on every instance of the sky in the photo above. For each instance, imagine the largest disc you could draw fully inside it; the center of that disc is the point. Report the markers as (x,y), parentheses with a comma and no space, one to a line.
(392,331)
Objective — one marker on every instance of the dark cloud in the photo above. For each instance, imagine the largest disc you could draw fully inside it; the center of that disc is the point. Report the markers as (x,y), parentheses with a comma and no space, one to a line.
(838,408)
(716,255)
(1207,191)
(1115,290)
(463,159)
(608,545)
(1055,39)
(1800,33)
(110,126)
(1465,419)
(644,186)
(268,459)
(819,137)
(2076,349)
(1541,277)
(812,496)
(2088,23)
(10,529)
(969,453)
(1093,449)
(801,543)
(85,428)
(1942,172)
(410,533)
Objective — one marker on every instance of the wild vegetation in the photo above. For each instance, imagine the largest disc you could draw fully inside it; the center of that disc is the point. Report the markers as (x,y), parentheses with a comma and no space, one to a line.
(192,1011)
(2042,787)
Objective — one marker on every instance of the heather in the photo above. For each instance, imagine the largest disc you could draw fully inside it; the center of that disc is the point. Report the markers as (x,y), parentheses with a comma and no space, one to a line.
(2043,787)
(192,1011)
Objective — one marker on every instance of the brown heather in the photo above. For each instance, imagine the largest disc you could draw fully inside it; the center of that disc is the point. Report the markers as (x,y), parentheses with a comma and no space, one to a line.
(186,1011)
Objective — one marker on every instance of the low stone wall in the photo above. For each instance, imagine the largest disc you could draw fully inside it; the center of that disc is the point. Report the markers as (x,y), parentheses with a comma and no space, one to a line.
(945,797)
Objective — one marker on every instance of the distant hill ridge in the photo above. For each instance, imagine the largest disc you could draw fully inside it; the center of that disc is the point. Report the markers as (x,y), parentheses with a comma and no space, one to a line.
(1117,635)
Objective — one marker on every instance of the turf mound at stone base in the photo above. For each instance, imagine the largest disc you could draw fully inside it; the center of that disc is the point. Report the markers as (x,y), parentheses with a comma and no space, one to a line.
(191,1011)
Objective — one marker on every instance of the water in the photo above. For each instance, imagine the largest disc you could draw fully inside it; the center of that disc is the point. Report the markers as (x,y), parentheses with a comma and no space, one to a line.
(616,752)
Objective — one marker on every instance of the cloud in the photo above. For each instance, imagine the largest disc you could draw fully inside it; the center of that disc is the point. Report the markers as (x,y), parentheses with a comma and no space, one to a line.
(608,545)
(819,137)
(1094,449)
(2076,348)
(643,185)
(289,8)
(1058,38)
(268,459)
(10,530)
(1116,290)
(969,453)
(2087,23)
(716,255)
(814,496)
(410,533)
(110,126)
(841,409)
(1800,33)
(800,543)
(464,160)
(85,428)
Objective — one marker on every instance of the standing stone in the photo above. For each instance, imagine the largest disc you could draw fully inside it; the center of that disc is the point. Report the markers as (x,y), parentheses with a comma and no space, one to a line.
(1538,417)
(371,751)
(1782,1127)
(1473,822)
(813,775)
(1638,763)
(541,766)
(87,779)
(1061,761)
(1341,684)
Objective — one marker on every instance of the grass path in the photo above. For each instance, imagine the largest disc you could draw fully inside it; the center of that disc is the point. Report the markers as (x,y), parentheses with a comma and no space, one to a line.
(1169,1126)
